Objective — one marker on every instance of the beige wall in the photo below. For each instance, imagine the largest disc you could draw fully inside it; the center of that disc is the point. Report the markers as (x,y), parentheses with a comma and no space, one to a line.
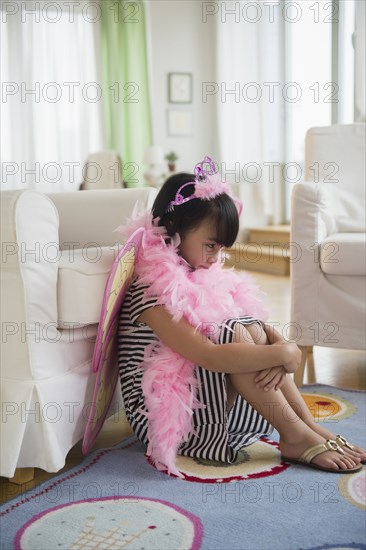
(181,42)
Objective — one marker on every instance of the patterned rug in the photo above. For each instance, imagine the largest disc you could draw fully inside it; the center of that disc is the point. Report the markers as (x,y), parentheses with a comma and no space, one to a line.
(115,499)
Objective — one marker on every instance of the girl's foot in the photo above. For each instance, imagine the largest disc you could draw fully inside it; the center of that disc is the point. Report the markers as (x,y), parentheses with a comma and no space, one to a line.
(350,449)
(331,460)
(356,452)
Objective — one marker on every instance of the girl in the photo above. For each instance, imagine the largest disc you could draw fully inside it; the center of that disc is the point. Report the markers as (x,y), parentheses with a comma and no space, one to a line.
(201,374)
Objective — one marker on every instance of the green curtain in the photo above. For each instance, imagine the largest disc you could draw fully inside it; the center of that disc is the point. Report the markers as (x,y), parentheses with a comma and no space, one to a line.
(125,84)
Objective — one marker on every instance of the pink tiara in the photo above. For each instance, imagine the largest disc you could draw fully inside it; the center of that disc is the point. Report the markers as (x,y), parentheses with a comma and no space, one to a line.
(208,184)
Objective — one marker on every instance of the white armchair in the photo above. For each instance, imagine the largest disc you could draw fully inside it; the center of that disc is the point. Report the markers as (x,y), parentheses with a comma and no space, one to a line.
(329,243)
(57,252)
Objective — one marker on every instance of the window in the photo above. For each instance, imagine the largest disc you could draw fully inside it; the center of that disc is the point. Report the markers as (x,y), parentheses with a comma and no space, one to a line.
(320,63)
(51,96)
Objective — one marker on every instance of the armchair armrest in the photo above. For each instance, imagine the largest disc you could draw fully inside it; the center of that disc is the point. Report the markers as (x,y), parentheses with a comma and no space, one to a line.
(312,218)
(29,264)
(312,221)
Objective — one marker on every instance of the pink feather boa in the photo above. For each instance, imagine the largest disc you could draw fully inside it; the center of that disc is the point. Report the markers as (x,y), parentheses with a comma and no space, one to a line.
(204,298)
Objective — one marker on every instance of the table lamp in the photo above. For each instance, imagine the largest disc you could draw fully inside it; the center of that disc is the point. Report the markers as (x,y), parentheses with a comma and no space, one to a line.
(153,156)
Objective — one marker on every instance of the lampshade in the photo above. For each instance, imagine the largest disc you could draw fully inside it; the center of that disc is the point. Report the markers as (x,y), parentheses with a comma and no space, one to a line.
(153,155)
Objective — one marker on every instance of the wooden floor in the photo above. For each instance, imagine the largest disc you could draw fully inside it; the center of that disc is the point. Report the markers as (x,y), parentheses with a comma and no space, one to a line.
(340,368)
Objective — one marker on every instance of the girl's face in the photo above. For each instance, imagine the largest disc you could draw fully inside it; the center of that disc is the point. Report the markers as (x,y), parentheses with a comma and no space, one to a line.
(199,246)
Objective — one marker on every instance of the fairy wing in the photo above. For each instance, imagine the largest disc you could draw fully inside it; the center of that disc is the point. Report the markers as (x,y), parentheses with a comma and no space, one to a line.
(105,350)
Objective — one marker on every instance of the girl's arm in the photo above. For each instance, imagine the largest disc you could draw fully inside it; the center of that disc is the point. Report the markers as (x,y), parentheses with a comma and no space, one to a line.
(229,358)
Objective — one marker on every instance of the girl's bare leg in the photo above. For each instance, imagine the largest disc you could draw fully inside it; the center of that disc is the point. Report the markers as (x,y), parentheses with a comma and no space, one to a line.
(296,436)
(297,403)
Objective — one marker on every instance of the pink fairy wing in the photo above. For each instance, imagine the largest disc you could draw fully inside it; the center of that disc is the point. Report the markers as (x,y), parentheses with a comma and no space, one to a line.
(105,350)
(114,293)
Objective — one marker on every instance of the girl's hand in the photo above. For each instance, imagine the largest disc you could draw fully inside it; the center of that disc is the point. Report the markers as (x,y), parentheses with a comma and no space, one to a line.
(268,379)
(293,356)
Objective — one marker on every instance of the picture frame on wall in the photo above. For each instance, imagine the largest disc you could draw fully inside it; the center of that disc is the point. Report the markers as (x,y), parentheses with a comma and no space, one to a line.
(180,87)
(180,122)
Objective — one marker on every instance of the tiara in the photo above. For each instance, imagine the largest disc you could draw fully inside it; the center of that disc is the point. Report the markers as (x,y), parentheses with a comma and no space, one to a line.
(208,184)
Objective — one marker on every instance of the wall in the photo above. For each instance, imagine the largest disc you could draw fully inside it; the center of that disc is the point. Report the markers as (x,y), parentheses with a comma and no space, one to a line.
(181,42)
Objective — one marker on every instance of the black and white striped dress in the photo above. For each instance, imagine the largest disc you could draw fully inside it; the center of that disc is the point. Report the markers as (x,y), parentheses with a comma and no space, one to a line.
(218,434)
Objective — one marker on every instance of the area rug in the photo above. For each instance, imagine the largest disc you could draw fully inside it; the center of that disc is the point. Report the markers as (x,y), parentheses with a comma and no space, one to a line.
(115,499)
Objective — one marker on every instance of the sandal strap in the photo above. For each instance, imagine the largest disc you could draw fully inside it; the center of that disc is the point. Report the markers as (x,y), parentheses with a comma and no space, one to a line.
(342,442)
(315,450)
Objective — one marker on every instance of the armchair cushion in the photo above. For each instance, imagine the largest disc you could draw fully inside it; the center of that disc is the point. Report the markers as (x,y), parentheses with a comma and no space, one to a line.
(82,274)
(343,254)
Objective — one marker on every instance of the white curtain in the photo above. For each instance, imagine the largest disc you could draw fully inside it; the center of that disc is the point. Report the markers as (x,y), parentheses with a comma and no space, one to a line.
(51,104)
(250,63)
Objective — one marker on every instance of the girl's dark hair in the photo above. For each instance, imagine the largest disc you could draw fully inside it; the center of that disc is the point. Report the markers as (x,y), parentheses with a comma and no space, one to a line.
(189,215)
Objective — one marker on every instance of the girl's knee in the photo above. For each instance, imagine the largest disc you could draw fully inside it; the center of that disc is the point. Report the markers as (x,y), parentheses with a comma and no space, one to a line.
(241,334)
(257,332)
(249,334)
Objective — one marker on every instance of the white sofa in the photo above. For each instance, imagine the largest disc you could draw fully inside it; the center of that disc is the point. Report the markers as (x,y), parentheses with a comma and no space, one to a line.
(329,243)
(57,251)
